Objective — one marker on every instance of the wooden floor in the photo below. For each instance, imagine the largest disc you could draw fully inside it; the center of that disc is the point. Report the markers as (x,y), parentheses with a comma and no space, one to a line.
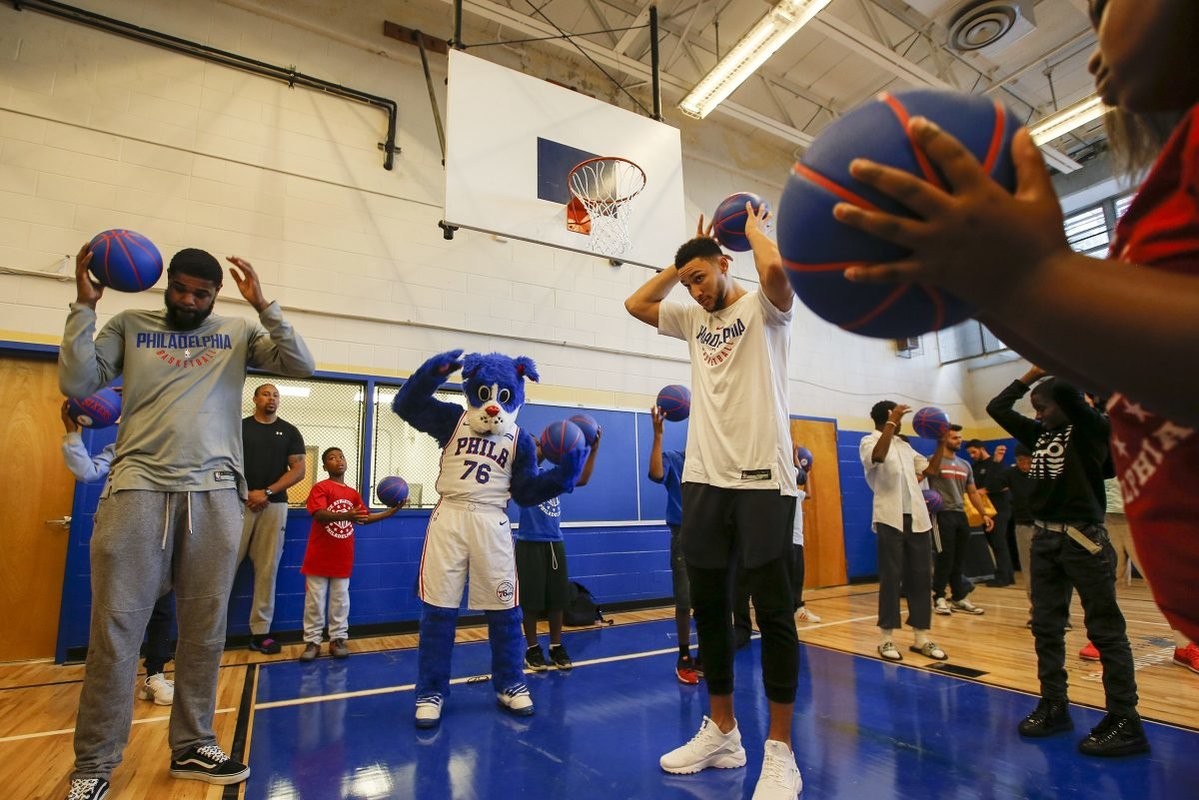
(38,699)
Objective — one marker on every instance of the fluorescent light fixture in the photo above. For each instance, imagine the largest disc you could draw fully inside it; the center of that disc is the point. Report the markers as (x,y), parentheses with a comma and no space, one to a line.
(763,39)
(294,391)
(1067,119)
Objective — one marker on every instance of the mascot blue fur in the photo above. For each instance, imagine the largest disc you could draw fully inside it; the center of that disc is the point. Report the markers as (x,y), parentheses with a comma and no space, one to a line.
(485,460)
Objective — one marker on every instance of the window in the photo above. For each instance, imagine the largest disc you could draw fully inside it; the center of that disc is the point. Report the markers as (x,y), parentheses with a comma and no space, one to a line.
(967,340)
(399,449)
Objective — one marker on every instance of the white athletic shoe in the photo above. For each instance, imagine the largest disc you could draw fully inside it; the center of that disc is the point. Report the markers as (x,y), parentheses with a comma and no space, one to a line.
(941,606)
(517,700)
(156,687)
(708,748)
(780,779)
(966,607)
(428,711)
(804,615)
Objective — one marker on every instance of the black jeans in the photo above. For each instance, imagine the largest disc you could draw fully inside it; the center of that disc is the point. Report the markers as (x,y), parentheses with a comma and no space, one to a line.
(997,539)
(903,568)
(158,634)
(1059,566)
(954,530)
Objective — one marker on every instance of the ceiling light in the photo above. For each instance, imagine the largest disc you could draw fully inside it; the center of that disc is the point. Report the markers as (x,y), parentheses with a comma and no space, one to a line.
(763,39)
(294,391)
(1067,119)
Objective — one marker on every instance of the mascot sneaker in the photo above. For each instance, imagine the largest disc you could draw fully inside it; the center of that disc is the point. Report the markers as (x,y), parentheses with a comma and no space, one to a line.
(517,700)
(780,778)
(708,748)
(428,711)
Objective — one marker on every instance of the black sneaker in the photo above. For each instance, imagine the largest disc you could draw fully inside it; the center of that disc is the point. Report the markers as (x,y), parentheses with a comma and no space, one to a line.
(265,644)
(1115,735)
(535,659)
(209,763)
(1049,717)
(698,665)
(88,789)
(560,658)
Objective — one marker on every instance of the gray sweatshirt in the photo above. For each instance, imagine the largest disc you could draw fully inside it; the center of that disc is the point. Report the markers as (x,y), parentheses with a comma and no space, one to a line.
(181,404)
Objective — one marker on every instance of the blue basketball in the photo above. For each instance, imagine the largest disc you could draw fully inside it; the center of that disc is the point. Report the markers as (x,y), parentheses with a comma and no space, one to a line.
(675,402)
(99,410)
(817,249)
(728,223)
(560,438)
(124,260)
(930,422)
(804,456)
(934,501)
(588,426)
(392,491)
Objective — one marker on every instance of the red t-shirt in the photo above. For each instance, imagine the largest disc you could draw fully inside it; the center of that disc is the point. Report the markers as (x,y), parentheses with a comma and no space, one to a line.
(330,552)
(1157,461)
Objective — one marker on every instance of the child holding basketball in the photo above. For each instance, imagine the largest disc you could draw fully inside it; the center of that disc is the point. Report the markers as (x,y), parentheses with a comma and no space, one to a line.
(1070,312)
(335,508)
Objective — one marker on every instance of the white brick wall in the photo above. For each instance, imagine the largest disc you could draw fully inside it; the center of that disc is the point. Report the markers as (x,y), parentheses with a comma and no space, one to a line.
(97,131)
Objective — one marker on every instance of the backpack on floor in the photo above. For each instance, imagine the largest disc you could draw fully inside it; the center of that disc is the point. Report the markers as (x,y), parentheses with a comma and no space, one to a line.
(581,608)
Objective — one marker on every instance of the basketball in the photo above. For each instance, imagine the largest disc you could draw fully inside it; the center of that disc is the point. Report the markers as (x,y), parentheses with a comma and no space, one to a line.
(588,426)
(930,422)
(817,249)
(392,491)
(933,499)
(99,410)
(804,456)
(124,260)
(559,438)
(675,402)
(728,223)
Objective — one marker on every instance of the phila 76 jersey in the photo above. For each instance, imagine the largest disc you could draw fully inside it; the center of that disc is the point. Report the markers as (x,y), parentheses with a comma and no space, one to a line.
(477,468)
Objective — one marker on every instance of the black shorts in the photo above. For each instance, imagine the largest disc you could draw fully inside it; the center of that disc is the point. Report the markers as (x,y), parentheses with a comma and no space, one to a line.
(752,525)
(541,571)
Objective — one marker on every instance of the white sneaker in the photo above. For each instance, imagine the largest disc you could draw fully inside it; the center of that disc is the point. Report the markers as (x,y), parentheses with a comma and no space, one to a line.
(708,748)
(517,700)
(803,615)
(966,607)
(156,687)
(428,711)
(941,606)
(780,778)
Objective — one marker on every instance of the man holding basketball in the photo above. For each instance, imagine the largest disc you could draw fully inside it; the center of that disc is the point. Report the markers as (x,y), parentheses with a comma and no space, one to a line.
(172,508)
(738,484)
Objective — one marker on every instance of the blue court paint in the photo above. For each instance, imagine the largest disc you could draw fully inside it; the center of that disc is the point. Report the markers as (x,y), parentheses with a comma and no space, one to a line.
(554,162)
(863,729)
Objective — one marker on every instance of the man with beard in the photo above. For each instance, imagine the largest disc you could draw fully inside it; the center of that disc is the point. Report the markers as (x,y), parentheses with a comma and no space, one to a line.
(171,511)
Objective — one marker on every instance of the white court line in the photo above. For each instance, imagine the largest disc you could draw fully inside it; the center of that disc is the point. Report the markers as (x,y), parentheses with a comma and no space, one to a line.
(61,731)
(407,687)
(1126,619)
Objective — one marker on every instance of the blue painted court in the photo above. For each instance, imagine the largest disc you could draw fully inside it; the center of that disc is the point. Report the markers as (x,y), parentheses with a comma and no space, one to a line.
(863,729)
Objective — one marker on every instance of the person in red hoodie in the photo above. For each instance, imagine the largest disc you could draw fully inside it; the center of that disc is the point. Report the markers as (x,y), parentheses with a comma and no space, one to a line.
(1096,322)
(329,558)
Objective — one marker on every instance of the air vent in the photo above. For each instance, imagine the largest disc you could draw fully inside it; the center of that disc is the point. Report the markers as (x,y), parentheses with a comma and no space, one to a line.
(982,25)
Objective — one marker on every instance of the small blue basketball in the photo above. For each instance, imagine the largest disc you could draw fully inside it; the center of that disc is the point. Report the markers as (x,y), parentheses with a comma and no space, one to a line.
(99,410)
(560,438)
(933,499)
(817,249)
(675,402)
(392,491)
(728,223)
(804,456)
(124,260)
(588,426)
(930,422)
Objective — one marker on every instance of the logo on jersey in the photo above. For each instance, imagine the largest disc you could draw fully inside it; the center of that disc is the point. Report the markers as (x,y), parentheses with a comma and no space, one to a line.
(1049,457)
(505,592)
(342,528)
(717,344)
(551,508)
(183,349)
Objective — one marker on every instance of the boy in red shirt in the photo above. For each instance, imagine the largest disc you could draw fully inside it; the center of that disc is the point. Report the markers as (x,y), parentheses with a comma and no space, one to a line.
(334,507)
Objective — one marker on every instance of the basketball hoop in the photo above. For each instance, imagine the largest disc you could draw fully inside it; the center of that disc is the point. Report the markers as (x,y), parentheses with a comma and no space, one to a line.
(605,188)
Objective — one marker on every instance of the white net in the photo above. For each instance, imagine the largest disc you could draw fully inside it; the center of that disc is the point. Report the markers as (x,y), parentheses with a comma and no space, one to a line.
(606,188)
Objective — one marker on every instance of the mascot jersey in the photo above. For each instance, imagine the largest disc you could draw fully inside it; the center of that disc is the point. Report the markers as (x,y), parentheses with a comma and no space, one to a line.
(476,467)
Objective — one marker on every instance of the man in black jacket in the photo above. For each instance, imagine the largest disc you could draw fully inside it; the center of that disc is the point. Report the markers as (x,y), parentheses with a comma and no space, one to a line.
(1071,551)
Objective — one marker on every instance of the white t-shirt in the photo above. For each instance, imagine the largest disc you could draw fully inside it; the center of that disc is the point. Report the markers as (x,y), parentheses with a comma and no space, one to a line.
(739,433)
(892,480)
(797,531)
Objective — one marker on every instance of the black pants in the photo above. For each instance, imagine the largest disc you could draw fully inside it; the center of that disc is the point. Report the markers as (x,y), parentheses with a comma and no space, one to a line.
(1060,565)
(741,624)
(158,634)
(997,540)
(797,573)
(954,530)
(903,569)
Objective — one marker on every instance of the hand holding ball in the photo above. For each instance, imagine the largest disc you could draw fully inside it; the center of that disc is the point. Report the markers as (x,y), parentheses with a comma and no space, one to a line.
(392,491)
(675,402)
(728,223)
(124,260)
(560,438)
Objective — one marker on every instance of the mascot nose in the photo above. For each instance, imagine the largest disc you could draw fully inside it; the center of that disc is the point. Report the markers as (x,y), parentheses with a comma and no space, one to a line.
(492,410)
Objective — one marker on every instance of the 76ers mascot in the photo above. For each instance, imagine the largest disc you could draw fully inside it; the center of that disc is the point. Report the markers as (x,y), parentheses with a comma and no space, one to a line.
(485,459)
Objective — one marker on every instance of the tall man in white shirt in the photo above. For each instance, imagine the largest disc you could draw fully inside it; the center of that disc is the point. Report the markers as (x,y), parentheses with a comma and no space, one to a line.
(738,485)
(901,524)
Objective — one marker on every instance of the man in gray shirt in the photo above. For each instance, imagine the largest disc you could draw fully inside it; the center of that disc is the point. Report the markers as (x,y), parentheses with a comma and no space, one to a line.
(172,507)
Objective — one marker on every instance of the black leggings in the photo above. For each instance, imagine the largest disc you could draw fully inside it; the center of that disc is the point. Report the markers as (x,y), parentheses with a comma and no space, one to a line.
(770,588)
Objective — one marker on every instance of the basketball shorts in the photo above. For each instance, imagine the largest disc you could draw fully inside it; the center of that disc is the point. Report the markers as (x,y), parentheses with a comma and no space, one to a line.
(468,540)
(541,567)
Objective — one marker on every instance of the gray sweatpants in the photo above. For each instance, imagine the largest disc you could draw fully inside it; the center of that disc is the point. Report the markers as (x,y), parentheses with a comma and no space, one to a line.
(141,540)
(262,539)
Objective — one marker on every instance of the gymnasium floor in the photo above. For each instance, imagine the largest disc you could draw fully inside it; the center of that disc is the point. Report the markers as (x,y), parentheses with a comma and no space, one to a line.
(863,728)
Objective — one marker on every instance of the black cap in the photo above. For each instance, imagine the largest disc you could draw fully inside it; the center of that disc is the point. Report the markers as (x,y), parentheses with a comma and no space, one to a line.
(953,427)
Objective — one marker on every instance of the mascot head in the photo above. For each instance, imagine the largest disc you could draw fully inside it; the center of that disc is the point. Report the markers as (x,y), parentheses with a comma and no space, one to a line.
(494,385)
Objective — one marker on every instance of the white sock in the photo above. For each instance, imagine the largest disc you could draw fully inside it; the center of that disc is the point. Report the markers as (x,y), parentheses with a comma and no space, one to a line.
(887,633)
(921,637)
